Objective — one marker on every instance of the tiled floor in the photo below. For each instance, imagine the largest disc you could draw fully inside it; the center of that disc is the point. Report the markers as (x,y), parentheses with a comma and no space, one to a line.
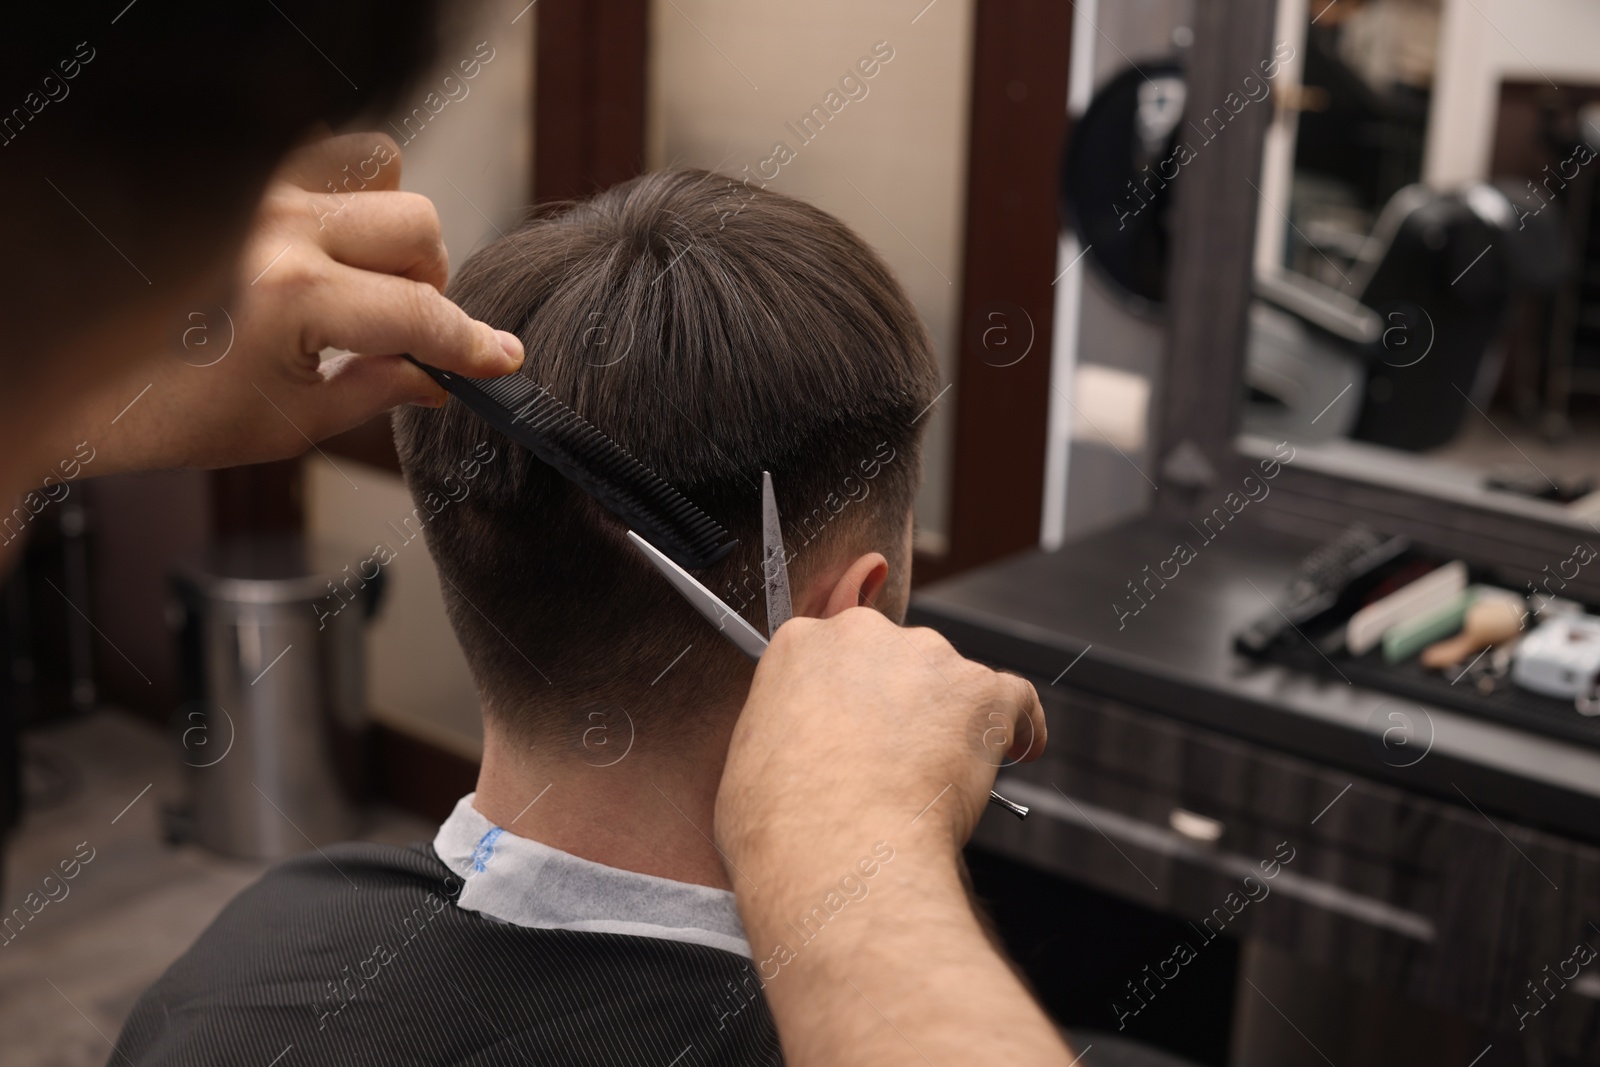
(71,975)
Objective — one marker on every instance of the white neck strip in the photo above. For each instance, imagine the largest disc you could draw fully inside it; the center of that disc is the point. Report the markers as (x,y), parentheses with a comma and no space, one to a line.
(521,881)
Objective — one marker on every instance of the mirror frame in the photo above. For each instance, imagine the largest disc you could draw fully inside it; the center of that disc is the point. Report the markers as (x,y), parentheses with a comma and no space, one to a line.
(1195,412)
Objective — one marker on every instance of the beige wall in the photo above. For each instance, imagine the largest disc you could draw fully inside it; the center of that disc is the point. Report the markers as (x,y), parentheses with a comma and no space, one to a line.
(417,678)
(725,77)
(473,159)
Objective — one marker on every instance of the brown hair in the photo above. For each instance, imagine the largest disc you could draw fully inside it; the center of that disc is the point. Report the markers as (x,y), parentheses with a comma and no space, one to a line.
(714,331)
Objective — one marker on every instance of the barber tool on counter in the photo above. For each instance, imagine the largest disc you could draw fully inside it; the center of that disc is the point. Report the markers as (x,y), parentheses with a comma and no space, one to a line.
(1378,612)
(1436,589)
(1328,584)
(1495,615)
(1562,659)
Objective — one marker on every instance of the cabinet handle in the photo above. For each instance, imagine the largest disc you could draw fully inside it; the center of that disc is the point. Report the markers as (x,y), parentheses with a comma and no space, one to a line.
(1308,889)
(1194,826)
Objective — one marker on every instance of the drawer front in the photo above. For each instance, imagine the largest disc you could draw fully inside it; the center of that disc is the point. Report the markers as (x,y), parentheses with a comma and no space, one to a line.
(1424,897)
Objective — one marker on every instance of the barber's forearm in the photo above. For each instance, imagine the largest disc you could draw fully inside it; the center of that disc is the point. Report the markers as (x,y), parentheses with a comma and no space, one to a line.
(851,783)
(124,424)
(904,975)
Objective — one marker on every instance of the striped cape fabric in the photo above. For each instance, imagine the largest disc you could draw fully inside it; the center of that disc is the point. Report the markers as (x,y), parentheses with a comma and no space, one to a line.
(358,955)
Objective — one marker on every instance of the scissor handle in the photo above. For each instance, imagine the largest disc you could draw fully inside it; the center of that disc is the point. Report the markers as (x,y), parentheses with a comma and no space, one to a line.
(1013,807)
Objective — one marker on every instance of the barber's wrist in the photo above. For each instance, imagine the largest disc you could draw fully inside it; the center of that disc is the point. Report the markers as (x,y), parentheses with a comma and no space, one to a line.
(783,907)
(779,876)
(763,841)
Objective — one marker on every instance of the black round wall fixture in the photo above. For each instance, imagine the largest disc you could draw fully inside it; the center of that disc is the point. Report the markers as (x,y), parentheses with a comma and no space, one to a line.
(1117,180)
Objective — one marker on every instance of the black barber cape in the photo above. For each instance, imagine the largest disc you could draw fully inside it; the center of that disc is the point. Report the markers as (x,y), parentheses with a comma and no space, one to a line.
(359,955)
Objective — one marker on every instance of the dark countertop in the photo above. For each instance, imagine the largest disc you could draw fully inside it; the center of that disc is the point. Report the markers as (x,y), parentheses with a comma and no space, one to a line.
(1036,613)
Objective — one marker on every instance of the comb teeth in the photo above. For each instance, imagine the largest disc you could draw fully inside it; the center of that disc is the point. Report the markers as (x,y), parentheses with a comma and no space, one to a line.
(530,416)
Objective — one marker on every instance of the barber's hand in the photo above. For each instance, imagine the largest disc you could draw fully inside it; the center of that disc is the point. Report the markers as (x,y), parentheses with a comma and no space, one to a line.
(857,729)
(857,770)
(361,271)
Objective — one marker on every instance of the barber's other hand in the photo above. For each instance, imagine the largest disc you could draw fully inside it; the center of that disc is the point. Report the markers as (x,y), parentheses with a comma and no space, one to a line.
(866,751)
(356,270)
(857,729)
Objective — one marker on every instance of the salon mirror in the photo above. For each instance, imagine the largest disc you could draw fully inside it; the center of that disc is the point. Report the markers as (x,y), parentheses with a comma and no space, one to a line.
(1426,271)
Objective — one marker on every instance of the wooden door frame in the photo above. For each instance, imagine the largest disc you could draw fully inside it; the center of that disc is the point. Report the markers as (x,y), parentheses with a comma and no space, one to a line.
(1021,51)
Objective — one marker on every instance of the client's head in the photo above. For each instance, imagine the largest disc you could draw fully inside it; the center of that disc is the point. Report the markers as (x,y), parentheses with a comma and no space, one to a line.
(714,331)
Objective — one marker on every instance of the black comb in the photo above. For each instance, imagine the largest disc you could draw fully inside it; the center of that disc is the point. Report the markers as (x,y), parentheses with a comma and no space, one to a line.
(530,416)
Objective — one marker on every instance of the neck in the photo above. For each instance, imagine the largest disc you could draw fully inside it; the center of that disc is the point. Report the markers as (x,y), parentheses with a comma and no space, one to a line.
(639,807)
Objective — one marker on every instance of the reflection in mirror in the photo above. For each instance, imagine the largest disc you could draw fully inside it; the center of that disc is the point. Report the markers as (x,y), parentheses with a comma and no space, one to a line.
(1427,278)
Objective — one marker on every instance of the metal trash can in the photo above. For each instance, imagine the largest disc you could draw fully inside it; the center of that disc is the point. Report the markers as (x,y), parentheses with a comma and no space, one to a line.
(272,727)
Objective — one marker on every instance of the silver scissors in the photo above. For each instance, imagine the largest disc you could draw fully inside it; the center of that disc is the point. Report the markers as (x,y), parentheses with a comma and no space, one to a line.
(775,574)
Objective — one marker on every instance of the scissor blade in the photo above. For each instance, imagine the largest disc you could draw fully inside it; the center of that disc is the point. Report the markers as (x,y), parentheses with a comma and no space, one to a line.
(744,636)
(774,561)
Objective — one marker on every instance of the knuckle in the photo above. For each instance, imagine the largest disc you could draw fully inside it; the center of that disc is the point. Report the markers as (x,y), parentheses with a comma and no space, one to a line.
(786,634)
(863,618)
(797,630)
(434,321)
(420,229)
(434,262)
(1030,692)
(295,275)
(380,140)
(1009,688)
(985,683)
(282,204)
(418,307)
(418,212)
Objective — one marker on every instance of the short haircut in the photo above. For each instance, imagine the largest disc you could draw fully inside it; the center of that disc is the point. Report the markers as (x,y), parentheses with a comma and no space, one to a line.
(715,330)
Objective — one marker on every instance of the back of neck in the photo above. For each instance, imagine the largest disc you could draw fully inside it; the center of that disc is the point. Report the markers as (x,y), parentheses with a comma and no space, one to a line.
(625,803)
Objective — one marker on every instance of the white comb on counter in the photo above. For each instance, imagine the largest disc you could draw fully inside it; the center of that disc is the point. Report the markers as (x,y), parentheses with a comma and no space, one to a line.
(1434,589)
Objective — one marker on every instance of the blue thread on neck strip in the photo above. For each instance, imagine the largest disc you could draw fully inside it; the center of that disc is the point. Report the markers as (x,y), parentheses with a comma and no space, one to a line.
(485,849)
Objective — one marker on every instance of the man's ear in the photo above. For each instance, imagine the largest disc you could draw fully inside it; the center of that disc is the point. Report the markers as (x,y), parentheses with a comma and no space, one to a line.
(858,585)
